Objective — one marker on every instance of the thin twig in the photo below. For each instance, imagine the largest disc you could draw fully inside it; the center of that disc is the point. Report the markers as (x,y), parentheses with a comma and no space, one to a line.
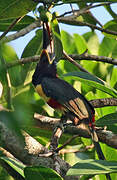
(22,32)
(73,21)
(82,11)
(67,142)
(10,27)
(74,62)
(72,150)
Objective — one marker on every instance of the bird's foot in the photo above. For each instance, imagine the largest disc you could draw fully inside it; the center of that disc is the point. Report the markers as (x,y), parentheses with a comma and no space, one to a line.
(47,154)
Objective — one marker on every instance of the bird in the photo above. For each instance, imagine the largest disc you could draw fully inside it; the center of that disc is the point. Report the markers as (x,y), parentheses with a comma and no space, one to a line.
(60,95)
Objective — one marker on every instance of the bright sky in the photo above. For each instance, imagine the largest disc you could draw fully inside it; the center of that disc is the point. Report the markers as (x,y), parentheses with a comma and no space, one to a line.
(100,13)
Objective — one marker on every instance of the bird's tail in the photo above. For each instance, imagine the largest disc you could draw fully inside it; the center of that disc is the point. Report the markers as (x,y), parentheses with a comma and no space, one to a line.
(98,147)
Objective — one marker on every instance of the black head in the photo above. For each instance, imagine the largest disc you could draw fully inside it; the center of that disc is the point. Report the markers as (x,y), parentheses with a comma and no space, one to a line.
(45,68)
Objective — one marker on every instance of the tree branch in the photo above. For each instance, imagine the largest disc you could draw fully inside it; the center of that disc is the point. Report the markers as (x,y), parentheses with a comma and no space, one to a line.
(104,136)
(23,61)
(70,59)
(27,151)
(83,56)
(76,13)
(22,32)
(98,103)
(89,57)
(71,20)
(10,27)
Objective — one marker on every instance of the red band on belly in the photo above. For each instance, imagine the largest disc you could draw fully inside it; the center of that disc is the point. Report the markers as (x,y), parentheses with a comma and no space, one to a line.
(54,104)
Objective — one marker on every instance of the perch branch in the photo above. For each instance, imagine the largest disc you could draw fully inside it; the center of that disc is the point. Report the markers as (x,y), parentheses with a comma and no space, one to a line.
(105,136)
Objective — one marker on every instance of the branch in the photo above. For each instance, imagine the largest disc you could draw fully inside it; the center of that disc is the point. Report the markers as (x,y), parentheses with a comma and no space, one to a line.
(83,56)
(27,151)
(98,103)
(22,32)
(23,61)
(45,1)
(10,27)
(104,136)
(79,12)
(70,59)
(87,56)
(72,21)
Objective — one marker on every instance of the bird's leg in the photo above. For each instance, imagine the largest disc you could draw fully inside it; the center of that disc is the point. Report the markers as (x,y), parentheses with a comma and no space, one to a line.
(58,130)
(57,133)
(54,142)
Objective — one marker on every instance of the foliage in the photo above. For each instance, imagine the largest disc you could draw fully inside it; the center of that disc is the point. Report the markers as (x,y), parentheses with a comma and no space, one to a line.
(21,99)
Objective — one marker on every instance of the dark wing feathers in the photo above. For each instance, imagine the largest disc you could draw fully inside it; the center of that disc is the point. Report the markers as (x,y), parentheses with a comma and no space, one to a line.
(66,95)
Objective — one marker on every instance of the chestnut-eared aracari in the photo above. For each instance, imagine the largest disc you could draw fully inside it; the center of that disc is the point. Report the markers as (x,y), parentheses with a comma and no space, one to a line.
(61,95)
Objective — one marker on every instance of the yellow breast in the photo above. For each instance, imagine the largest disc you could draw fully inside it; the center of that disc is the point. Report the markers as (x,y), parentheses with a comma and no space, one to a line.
(41,93)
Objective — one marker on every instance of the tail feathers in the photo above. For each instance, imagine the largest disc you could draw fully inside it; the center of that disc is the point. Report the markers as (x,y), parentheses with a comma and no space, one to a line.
(98,148)
(97,145)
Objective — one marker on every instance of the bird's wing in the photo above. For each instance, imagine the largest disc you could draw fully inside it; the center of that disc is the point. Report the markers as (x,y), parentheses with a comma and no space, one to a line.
(66,95)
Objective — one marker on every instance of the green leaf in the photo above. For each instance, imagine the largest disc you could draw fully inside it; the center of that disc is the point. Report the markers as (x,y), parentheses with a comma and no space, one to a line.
(109,119)
(106,47)
(10,55)
(67,39)
(93,43)
(113,77)
(58,47)
(111,25)
(41,173)
(114,52)
(80,43)
(5,23)
(91,166)
(34,47)
(16,165)
(15,8)
(3,77)
(91,81)
(45,15)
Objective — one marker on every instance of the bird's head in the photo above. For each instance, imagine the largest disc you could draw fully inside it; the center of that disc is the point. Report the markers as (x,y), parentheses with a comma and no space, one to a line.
(46,67)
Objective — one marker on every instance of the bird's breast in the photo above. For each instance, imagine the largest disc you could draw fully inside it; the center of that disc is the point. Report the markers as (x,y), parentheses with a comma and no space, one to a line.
(50,101)
(41,93)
